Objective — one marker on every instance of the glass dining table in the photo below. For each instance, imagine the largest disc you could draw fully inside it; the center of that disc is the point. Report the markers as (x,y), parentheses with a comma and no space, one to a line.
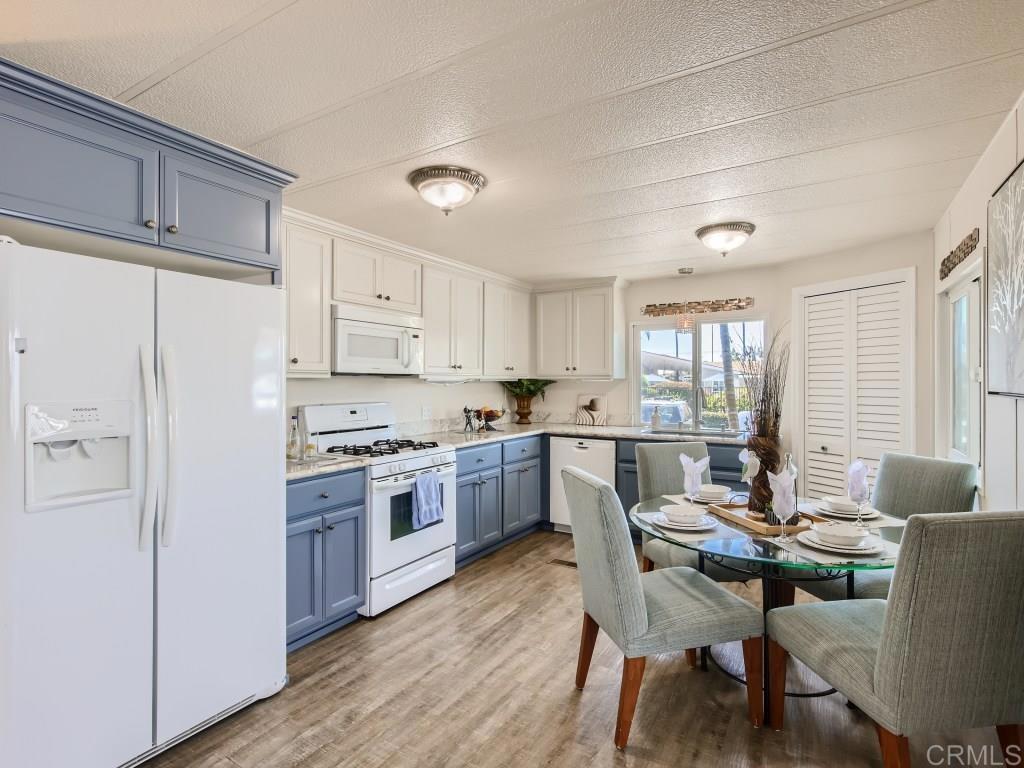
(748,553)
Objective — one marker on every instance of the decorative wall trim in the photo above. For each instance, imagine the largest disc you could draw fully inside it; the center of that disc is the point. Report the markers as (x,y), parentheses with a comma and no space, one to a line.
(957,256)
(698,307)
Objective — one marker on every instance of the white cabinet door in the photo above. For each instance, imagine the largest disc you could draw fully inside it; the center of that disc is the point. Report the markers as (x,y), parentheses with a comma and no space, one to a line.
(438,321)
(357,273)
(518,334)
(827,372)
(592,331)
(401,280)
(496,330)
(307,264)
(469,323)
(554,334)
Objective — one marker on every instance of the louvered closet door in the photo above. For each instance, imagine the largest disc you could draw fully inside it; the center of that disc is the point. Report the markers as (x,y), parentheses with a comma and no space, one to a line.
(827,374)
(881,364)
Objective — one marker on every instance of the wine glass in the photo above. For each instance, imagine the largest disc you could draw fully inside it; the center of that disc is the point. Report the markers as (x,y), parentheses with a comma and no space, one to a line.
(859,496)
(784,515)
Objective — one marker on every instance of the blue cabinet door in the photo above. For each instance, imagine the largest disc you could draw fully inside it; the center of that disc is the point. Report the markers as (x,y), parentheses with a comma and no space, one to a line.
(304,576)
(511,499)
(626,485)
(530,498)
(210,210)
(467,517)
(60,168)
(490,507)
(344,565)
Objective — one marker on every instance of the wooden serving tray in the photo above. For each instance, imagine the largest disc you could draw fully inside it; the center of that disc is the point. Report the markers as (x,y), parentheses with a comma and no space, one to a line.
(737,513)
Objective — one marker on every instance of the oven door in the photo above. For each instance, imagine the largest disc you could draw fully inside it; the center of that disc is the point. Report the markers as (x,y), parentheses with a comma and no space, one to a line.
(393,540)
(365,347)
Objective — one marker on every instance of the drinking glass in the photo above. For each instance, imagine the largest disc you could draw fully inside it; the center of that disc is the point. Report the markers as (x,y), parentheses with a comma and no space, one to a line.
(783,538)
(859,496)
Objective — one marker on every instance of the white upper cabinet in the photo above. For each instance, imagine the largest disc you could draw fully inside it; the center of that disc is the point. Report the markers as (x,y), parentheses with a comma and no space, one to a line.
(307,274)
(452,324)
(506,332)
(578,333)
(373,277)
(554,334)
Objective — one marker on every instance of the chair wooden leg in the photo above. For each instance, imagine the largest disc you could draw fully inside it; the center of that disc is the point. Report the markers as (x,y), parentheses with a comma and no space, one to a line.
(632,675)
(753,663)
(587,640)
(895,749)
(1011,739)
(777,656)
(691,658)
(646,565)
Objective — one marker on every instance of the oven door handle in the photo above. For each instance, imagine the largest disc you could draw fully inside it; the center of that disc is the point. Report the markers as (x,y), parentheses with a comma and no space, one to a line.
(382,486)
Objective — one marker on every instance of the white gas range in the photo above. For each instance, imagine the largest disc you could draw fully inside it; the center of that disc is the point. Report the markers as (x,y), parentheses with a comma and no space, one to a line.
(402,561)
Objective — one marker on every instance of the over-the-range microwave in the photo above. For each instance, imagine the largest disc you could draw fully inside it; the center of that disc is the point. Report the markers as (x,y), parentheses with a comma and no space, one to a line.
(369,341)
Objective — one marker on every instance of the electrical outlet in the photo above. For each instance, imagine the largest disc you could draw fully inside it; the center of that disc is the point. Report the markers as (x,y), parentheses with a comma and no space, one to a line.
(427,412)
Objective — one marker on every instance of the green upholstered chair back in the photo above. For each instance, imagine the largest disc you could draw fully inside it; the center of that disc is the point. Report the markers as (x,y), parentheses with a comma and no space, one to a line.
(951,654)
(913,485)
(605,558)
(658,470)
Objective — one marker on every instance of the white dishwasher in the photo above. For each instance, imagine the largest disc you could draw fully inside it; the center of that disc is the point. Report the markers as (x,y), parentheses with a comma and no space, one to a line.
(594,456)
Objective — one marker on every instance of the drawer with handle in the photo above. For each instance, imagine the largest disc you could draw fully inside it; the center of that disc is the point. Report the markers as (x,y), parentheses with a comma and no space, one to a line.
(307,496)
(520,450)
(478,458)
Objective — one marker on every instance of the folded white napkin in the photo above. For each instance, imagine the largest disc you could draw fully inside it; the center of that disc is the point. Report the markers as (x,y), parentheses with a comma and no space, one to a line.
(783,493)
(693,471)
(751,466)
(857,481)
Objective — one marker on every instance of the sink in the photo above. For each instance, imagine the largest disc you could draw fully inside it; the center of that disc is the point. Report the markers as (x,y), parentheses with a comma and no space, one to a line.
(692,433)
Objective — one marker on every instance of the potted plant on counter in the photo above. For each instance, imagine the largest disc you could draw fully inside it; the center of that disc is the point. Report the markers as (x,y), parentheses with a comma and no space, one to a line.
(524,390)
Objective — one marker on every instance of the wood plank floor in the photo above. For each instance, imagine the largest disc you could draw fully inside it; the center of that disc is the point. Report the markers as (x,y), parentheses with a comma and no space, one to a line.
(478,672)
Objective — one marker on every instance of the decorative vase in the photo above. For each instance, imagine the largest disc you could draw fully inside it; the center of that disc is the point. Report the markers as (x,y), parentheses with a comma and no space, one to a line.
(523,409)
(767,448)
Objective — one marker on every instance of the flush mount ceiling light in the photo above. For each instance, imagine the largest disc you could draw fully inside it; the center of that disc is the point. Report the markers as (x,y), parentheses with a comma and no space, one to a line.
(725,237)
(447,186)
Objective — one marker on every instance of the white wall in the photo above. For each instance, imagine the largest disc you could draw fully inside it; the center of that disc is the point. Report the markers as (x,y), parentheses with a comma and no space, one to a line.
(772,290)
(1002,458)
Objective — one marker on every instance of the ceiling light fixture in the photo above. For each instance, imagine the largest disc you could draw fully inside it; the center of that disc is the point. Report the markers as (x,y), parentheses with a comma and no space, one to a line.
(725,237)
(447,186)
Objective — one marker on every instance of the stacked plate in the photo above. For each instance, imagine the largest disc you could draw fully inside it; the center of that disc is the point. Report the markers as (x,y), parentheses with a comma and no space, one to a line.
(711,494)
(841,508)
(867,547)
(701,523)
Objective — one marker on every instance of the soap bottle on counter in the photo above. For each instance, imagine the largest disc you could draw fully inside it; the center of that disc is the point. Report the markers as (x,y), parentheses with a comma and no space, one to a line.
(309,450)
(293,449)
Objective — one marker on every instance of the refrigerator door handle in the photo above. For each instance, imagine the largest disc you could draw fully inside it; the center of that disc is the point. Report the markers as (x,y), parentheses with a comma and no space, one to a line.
(171,399)
(149,498)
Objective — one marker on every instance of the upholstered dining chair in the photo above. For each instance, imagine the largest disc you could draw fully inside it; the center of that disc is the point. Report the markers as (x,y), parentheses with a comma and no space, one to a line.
(658,472)
(943,653)
(905,485)
(656,612)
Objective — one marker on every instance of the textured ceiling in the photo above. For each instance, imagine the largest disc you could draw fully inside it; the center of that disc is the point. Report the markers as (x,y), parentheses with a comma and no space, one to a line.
(609,130)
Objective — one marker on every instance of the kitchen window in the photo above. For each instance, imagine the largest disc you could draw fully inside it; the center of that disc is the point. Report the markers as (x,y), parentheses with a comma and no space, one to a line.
(697,378)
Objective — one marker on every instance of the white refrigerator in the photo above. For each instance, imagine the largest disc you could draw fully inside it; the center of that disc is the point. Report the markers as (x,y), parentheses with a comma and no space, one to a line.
(141,506)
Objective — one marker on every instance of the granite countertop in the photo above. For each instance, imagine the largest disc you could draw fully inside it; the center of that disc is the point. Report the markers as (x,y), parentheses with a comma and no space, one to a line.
(511,431)
(305,470)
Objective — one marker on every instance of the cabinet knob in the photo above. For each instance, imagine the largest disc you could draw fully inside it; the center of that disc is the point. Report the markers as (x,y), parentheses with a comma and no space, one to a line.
(567,367)
(380,295)
(173,229)
(574,367)
(295,360)
(824,449)
(459,367)
(525,469)
(149,224)
(480,461)
(387,298)
(330,527)
(325,495)
(319,530)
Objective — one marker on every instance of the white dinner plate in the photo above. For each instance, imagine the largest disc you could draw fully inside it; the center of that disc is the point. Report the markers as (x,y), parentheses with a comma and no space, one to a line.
(869,513)
(706,523)
(810,539)
(698,499)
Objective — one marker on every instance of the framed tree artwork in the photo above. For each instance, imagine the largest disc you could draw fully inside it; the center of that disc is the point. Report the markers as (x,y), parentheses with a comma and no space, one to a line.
(1004,282)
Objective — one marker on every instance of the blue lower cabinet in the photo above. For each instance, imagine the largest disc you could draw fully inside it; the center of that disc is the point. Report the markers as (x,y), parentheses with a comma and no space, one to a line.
(305,577)
(467,518)
(344,561)
(326,555)
(521,496)
(512,517)
(490,507)
(626,484)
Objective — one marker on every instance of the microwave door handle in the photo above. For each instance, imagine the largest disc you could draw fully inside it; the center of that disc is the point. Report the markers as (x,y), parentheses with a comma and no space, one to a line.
(406,352)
